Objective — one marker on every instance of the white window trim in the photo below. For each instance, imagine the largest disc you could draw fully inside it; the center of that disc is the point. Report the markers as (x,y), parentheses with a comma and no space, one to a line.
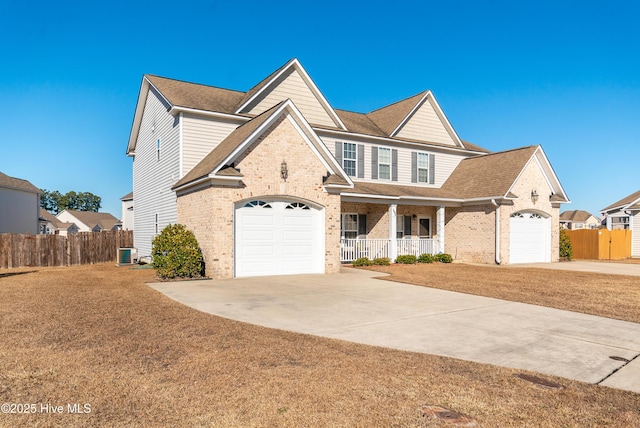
(354,159)
(418,167)
(343,216)
(380,163)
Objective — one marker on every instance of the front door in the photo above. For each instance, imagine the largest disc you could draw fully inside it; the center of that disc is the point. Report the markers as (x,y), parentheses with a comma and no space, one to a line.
(424,227)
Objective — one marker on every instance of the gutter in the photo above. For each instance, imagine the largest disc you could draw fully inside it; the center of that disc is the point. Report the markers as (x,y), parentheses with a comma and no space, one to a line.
(498,259)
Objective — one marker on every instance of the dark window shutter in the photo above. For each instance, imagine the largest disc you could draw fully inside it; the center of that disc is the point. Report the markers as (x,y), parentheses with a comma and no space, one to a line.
(407,225)
(339,153)
(360,161)
(394,165)
(374,162)
(432,171)
(414,167)
(362,226)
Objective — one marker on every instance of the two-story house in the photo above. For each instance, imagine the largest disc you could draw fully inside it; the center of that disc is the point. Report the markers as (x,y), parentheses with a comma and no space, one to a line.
(276,181)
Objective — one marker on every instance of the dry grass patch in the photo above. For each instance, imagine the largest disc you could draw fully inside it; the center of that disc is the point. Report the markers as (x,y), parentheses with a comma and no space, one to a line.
(98,335)
(612,296)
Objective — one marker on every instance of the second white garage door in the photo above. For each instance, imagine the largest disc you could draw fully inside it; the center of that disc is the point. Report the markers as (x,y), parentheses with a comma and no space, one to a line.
(530,238)
(278,238)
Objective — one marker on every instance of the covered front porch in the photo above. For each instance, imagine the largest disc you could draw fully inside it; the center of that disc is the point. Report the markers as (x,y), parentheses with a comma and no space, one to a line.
(376,229)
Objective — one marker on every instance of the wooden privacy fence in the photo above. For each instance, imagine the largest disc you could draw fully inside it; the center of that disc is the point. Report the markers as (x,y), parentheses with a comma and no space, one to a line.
(55,250)
(600,244)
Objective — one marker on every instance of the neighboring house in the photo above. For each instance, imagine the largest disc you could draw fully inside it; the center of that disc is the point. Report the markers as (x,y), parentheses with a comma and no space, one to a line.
(49,224)
(578,219)
(19,206)
(625,214)
(88,221)
(276,181)
(127,211)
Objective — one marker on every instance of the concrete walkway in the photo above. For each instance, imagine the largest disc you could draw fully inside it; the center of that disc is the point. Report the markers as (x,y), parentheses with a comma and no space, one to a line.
(355,306)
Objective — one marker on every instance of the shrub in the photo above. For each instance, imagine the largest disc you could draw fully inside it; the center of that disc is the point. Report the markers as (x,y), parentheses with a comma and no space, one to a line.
(443,258)
(406,259)
(362,261)
(426,258)
(382,261)
(566,249)
(176,253)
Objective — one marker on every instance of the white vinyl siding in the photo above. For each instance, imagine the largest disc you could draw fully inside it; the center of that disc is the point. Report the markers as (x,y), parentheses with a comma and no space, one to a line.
(152,179)
(349,158)
(635,235)
(200,135)
(445,163)
(426,125)
(292,86)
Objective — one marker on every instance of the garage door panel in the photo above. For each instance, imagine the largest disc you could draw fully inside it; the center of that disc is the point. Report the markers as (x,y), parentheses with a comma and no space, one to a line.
(258,250)
(253,235)
(298,221)
(298,235)
(298,251)
(258,220)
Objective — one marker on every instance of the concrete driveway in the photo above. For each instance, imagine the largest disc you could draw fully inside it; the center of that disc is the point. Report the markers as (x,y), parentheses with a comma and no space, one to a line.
(355,306)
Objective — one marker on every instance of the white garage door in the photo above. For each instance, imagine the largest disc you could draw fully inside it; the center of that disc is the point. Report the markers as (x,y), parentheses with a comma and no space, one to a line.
(278,238)
(530,240)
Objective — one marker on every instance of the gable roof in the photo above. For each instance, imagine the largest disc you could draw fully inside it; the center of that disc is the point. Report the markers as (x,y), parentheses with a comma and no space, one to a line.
(630,202)
(17,184)
(127,197)
(92,219)
(578,216)
(493,175)
(394,117)
(271,83)
(224,154)
(196,96)
(385,122)
(48,217)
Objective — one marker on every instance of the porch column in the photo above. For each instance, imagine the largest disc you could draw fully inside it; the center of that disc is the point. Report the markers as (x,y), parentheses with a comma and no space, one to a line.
(393,229)
(440,229)
(608,222)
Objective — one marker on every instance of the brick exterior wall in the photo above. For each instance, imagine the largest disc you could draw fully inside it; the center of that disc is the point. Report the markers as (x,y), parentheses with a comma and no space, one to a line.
(531,178)
(469,233)
(209,213)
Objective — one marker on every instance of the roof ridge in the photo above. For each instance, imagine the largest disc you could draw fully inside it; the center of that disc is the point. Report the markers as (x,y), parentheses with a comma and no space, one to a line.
(397,102)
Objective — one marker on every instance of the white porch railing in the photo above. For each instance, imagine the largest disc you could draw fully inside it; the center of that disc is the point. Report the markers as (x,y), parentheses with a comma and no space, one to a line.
(352,249)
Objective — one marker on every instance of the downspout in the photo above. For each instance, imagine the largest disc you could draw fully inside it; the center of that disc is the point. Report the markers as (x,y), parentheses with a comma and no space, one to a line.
(498,260)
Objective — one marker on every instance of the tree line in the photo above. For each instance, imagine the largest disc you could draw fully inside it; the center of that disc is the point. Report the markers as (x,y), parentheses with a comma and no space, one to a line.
(55,202)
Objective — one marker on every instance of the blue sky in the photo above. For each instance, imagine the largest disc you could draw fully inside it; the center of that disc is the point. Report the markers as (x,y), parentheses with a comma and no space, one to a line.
(563,74)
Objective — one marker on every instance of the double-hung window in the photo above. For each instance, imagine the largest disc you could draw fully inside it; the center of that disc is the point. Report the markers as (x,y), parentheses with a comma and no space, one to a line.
(349,158)
(384,163)
(423,168)
(349,226)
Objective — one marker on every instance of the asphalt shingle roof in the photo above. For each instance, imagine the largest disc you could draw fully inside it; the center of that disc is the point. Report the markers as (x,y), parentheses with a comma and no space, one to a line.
(17,183)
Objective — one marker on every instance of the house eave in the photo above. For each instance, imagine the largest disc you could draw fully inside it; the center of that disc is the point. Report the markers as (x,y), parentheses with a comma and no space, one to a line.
(208,181)
(396,141)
